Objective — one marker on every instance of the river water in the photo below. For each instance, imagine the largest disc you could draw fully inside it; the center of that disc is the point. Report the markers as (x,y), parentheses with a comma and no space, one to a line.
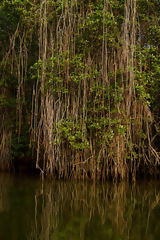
(30,210)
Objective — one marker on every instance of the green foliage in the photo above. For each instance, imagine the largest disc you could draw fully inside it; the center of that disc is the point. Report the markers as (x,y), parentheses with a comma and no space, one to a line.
(101,95)
(73,134)
(55,72)
(148,76)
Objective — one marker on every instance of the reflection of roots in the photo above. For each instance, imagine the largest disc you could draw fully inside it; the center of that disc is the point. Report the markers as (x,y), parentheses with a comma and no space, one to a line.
(5,182)
(61,205)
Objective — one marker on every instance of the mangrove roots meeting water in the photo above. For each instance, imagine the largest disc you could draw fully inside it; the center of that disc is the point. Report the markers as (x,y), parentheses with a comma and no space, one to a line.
(79,82)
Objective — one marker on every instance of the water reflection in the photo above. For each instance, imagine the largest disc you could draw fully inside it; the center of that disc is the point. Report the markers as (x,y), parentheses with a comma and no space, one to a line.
(78,211)
(89,211)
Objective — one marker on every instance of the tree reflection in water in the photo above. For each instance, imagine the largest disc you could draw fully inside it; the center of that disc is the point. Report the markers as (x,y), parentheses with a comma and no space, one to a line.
(93,211)
(30,210)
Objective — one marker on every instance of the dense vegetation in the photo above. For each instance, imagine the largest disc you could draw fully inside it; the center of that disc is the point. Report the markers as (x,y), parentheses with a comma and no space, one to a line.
(80,87)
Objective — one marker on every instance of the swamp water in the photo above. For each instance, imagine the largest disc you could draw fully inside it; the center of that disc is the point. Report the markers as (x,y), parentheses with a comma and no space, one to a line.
(78,211)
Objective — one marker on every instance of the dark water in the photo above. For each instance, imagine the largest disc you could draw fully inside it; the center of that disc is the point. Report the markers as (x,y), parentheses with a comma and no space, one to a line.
(77,211)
